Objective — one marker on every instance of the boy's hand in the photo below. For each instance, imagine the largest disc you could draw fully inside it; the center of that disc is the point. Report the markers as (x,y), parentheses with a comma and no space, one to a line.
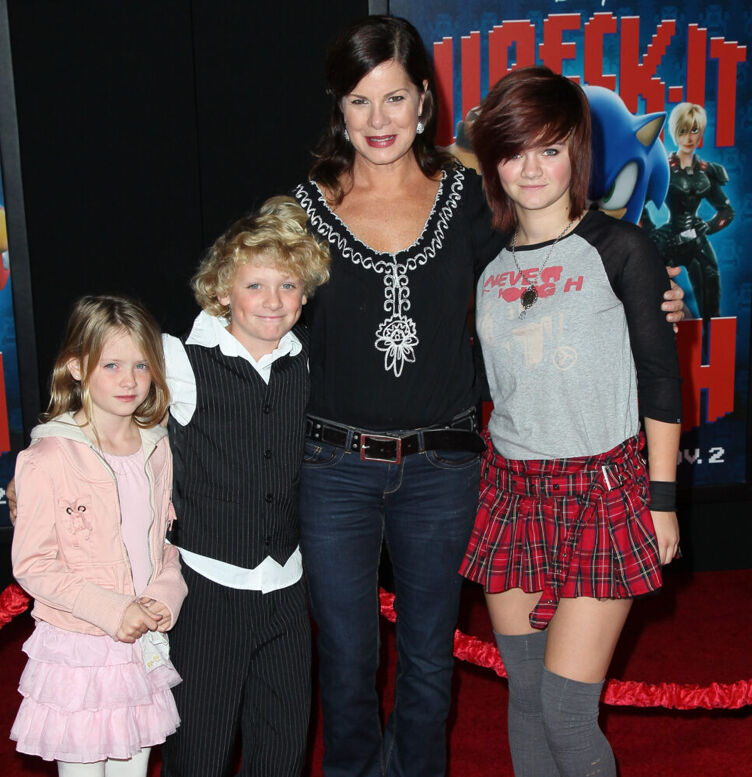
(136,621)
(159,611)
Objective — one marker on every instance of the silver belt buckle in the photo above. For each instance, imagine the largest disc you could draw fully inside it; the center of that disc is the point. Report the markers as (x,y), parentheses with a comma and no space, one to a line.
(382,438)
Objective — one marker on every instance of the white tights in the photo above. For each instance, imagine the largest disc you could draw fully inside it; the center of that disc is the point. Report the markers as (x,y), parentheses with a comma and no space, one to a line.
(112,767)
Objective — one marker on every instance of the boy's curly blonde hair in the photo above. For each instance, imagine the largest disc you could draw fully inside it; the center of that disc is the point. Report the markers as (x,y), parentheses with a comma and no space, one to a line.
(274,236)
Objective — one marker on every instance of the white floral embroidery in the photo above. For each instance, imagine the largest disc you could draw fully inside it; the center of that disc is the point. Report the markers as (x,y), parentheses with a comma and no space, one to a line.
(397,334)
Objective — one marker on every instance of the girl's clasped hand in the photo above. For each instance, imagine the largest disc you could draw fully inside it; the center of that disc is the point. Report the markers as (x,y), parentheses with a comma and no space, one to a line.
(141,616)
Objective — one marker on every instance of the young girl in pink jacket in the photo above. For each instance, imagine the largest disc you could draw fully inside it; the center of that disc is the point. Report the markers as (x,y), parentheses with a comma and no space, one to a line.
(89,546)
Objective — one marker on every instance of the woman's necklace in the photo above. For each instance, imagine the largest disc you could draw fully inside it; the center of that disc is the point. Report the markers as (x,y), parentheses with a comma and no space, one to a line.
(530,294)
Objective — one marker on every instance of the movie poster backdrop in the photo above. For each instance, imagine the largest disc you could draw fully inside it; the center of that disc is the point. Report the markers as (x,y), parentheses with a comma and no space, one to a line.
(11,421)
(653,57)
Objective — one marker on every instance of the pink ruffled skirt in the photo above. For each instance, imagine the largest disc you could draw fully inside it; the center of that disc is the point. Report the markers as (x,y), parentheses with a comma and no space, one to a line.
(90,698)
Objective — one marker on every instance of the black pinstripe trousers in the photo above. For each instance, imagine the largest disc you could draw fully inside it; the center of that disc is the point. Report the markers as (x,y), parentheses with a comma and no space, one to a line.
(245,660)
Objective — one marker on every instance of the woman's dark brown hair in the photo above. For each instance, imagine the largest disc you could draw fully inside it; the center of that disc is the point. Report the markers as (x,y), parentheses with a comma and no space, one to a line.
(530,107)
(356,52)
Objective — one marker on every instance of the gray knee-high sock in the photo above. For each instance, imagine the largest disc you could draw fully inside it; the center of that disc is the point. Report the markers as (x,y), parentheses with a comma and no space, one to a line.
(570,719)
(523,658)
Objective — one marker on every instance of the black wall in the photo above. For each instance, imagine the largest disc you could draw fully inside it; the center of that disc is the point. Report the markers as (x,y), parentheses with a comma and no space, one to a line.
(147,127)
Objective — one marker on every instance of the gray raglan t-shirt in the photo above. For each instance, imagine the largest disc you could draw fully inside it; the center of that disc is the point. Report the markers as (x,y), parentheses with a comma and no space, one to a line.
(564,378)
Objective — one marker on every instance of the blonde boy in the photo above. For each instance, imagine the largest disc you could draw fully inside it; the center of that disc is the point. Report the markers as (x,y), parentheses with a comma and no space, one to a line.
(239,386)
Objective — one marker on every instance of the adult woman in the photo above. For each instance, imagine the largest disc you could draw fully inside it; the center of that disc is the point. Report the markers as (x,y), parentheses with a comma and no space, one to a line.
(392,451)
(564,538)
(683,240)
(390,354)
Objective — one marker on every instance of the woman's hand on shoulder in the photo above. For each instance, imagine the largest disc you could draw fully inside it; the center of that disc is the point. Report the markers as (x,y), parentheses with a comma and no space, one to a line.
(667,533)
(673,299)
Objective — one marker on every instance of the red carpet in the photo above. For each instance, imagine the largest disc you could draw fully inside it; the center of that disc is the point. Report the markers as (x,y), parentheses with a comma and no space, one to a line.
(698,631)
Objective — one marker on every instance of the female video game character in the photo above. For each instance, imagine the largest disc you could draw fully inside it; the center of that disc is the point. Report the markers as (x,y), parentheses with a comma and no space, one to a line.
(683,239)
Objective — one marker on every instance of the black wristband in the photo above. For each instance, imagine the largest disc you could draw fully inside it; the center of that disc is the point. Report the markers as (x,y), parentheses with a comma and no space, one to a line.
(663,496)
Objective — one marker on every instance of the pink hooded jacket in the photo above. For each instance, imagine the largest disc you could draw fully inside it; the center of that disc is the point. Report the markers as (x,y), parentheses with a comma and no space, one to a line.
(68,552)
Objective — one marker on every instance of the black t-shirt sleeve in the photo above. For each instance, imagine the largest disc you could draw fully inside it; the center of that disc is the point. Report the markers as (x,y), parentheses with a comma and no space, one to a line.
(639,279)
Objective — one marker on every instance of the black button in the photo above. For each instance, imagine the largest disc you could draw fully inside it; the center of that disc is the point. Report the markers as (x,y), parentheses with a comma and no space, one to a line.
(267,409)
(269,497)
(268,540)
(268,453)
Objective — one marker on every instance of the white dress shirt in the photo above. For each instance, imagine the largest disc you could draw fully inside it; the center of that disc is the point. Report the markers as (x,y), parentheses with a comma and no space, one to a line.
(210,332)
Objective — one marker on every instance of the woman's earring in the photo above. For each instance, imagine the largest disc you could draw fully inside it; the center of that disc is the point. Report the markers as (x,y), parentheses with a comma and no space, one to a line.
(420,127)
(347,135)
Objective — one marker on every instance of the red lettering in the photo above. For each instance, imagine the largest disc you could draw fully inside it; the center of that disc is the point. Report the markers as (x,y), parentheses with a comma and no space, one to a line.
(574,283)
(596,28)
(553,51)
(470,47)
(512,44)
(443,62)
(675,95)
(511,278)
(638,76)
(697,63)
(728,54)
(546,289)
(717,376)
(521,35)
(549,278)
(510,295)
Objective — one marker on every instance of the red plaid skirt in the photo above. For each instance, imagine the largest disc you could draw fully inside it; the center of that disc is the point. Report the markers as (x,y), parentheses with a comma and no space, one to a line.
(566,527)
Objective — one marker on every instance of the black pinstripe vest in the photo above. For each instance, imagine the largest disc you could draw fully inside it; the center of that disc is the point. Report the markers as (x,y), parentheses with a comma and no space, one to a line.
(237,462)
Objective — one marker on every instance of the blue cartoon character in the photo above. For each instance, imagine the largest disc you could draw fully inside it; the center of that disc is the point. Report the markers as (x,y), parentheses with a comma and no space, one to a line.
(629,161)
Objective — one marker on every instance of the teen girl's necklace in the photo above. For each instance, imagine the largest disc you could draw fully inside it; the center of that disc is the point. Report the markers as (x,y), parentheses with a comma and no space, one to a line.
(530,295)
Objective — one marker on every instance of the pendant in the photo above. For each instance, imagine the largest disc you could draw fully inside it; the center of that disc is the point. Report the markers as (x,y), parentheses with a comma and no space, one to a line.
(528,299)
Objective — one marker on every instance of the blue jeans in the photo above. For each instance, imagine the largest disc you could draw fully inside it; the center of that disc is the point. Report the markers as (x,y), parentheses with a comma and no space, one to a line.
(424,507)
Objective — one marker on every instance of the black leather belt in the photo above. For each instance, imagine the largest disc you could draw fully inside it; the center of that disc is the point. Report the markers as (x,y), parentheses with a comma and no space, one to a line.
(458,435)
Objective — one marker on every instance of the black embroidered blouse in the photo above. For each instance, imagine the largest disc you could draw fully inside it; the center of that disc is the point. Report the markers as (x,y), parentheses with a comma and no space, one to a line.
(390,346)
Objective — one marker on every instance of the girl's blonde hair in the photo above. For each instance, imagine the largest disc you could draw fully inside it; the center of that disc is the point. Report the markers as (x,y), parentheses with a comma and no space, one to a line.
(92,321)
(275,236)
